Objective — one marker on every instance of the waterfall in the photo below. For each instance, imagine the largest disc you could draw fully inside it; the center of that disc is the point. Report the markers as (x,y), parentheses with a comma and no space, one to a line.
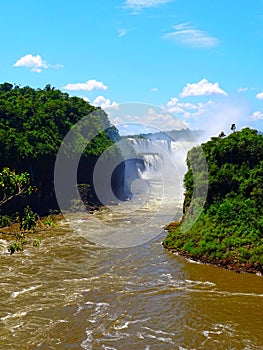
(163,157)
(162,162)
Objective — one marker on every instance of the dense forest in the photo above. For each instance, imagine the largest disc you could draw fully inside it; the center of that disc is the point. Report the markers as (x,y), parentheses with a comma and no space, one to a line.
(229,231)
(33,123)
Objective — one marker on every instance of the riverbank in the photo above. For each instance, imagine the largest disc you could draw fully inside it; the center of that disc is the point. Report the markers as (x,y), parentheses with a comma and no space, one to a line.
(228,232)
(226,264)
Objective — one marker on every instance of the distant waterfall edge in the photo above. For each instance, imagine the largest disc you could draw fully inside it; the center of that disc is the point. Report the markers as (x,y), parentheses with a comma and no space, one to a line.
(161,161)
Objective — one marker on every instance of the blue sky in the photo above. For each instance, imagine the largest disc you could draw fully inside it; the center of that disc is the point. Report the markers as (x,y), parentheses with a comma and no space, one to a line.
(200,60)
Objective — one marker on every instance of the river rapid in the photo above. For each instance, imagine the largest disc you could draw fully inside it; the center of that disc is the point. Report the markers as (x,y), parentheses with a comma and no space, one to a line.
(72,294)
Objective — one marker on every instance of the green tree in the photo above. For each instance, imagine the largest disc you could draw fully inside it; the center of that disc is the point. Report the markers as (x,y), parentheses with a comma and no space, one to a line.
(13,185)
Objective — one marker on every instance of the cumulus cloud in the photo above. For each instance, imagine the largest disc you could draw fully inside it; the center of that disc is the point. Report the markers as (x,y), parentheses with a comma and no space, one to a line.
(163,121)
(156,119)
(105,103)
(213,116)
(220,116)
(202,88)
(186,109)
(260,96)
(88,86)
(257,115)
(186,35)
(141,4)
(154,89)
(35,63)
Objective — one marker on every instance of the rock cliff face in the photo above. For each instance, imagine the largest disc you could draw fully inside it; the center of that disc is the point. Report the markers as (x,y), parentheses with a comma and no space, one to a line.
(113,186)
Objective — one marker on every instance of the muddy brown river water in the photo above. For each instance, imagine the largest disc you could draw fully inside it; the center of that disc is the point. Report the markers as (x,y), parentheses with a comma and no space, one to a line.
(72,294)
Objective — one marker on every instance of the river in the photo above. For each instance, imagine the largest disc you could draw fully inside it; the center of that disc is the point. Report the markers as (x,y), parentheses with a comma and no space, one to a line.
(104,281)
(72,294)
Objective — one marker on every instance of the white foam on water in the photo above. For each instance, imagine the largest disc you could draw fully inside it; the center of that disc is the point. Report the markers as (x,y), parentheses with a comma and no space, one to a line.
(158,331)
(166,338)
(196,286)
(127,323)
(25,290)
(14,315)
(161,339)
(204,283)
(3,246)
(168,278)
(100,306)
(123,326)
(87,343)
(240,294)
(217,330)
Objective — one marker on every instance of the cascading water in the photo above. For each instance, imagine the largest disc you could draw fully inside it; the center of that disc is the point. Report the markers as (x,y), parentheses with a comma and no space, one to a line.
(162,158)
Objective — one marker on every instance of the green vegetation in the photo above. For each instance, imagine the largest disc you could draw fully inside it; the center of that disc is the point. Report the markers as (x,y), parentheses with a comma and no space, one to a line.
(13,185)
(27,223)
(29,219)
(33,123)
(49,222)
(18,244)
(229,231)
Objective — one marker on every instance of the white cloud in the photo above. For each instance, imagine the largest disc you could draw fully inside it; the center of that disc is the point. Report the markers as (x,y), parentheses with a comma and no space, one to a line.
(105,103)
(122,32)
(154,89)
(220,116)
(163,121)
(36,63)
(242,89)
(188,110)
(260,96)
(156,119)
(257,115)
(56,66)
(88,86)
(86,99)
(191,37)
(203,87)
(141,4)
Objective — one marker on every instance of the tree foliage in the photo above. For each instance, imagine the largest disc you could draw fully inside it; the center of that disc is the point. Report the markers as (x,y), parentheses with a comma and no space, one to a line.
(33,124)
(229,231)
(13,185)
